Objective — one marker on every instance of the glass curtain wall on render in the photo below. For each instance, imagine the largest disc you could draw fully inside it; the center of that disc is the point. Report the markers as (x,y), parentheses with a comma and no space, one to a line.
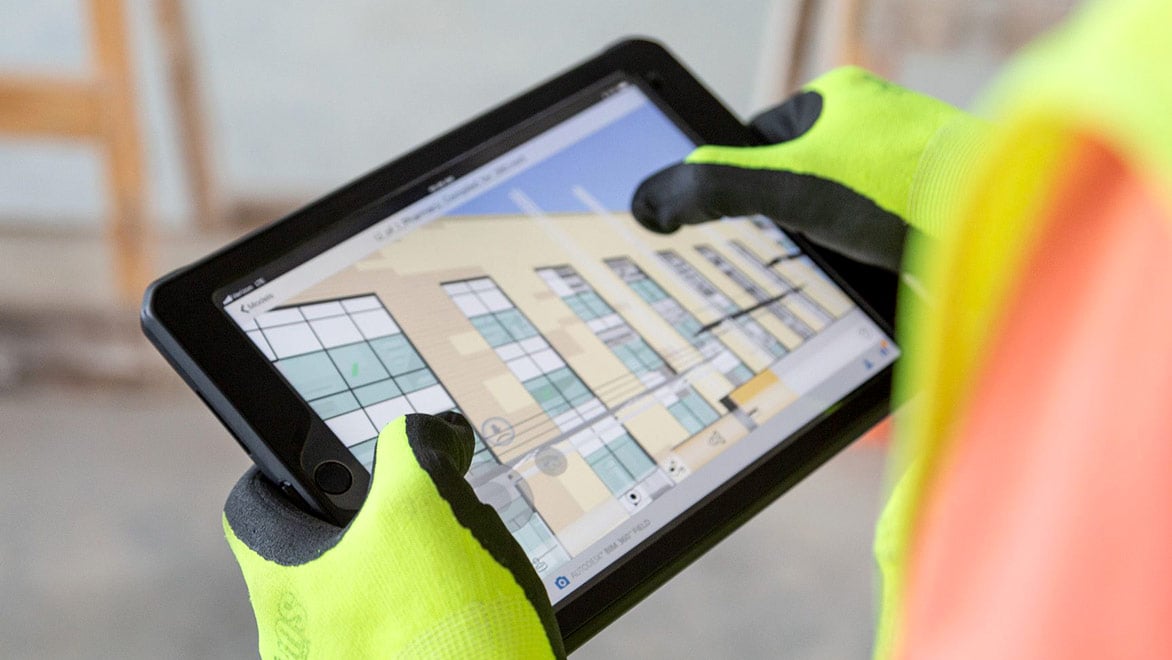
(572,406)
(722,303)
(746,284)
(683,321)
(683,402)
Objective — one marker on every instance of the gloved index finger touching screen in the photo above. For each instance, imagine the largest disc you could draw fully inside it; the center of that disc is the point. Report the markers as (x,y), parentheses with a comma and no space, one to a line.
(851,161)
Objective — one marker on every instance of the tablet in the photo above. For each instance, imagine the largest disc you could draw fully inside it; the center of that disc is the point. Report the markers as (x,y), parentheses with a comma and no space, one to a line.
(636,396)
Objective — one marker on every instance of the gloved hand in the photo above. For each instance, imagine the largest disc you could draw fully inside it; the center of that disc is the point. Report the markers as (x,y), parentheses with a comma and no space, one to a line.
(423,571)
(853,159)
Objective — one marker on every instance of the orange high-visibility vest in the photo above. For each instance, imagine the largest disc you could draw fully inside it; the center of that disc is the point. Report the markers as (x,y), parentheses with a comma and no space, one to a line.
(1035,461)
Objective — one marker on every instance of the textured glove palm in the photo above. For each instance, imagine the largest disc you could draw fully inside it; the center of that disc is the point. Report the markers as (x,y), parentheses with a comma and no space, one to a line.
(853,159)
(423,571)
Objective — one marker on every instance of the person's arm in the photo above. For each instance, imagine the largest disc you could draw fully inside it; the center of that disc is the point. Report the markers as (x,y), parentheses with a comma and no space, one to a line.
(424,570)
(1043,530)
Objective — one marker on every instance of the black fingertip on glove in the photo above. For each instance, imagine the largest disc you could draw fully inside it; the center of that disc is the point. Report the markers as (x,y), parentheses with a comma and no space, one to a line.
(449,438)
(790,119)
(689,194)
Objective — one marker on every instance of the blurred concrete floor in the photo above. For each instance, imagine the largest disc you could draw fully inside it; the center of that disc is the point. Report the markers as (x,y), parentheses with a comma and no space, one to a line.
(111,546)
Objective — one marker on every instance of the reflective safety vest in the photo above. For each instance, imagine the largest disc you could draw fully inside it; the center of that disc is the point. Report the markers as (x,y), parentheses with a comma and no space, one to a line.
(1033,468)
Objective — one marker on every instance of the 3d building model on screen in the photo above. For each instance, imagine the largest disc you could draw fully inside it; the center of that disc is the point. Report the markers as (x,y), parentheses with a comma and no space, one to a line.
(597,377)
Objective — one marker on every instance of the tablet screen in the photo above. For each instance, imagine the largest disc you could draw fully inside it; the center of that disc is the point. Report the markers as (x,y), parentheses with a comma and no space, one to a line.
(615,376)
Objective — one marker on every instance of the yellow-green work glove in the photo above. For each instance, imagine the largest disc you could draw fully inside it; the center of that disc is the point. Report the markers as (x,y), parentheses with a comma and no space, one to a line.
(852,160)
(423,571)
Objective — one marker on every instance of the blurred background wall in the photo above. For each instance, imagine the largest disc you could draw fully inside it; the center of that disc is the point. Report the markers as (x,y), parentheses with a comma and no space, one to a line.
(137,135)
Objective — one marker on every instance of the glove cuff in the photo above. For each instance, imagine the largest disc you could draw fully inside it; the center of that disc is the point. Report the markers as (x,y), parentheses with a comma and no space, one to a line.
(945,166)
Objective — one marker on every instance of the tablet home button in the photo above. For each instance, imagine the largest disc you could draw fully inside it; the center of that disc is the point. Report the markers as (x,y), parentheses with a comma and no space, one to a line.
(332,477)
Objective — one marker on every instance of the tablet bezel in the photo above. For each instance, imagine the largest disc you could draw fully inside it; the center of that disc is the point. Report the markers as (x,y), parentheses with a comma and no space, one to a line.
(285,438)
